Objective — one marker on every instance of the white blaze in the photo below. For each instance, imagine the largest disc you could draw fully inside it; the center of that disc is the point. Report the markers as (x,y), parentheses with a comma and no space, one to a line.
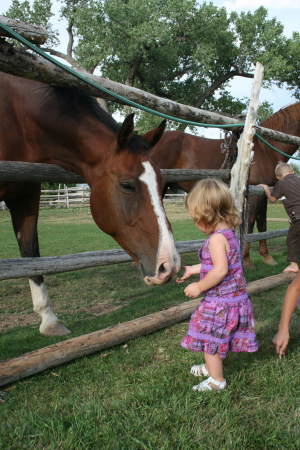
(166,249)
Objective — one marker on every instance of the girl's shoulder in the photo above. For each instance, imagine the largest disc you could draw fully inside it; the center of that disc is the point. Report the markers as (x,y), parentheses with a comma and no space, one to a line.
(220,237)
(227,233)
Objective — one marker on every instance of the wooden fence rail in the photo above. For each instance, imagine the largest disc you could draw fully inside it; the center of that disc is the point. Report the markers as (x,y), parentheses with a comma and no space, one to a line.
(29,267)
(37,173)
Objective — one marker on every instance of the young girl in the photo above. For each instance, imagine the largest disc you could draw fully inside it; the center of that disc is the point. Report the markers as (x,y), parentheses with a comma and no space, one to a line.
(224,319)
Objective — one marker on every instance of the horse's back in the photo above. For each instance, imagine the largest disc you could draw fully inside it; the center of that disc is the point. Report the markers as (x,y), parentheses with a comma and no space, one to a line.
(179,150)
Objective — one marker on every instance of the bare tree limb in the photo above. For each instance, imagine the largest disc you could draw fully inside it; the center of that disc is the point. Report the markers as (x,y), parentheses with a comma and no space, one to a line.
(34,33)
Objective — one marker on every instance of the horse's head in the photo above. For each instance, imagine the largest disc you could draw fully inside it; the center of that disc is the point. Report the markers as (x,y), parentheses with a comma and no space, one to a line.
(126,202)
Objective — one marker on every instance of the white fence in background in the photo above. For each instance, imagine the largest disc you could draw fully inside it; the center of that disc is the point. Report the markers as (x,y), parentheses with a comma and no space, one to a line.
(69,197)
(65,197)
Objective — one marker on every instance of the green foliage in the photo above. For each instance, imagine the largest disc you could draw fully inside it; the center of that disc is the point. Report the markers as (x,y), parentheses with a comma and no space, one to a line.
(265,110)
(291,70)
(183,50)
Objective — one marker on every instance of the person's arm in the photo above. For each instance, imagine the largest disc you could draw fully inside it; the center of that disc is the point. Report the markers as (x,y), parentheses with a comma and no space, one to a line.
(268,193)
(281,338)
(217,248)
(188,272)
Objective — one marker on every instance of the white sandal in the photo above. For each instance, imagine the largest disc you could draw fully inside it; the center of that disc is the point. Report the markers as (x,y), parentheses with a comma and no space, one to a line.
(210,385)
(199,370)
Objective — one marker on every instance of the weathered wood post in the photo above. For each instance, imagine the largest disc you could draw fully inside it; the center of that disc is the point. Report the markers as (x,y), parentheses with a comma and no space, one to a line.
(241,168)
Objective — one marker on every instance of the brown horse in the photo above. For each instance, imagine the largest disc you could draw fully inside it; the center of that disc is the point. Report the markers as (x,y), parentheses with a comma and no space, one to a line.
(193,152)
(62,126)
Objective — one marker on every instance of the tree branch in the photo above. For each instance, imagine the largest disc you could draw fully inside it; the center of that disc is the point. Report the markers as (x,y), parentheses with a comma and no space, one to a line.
(67,58)
(34,33)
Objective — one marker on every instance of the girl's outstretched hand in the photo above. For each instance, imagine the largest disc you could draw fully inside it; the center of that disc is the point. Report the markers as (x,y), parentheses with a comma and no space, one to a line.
(192,290)
(186,274)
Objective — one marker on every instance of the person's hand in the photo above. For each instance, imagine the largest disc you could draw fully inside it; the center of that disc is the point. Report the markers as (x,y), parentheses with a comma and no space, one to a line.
(186,274)
(280,341)
(192,290)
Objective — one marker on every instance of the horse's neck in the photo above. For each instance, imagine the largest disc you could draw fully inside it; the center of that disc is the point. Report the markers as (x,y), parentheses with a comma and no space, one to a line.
(80,148)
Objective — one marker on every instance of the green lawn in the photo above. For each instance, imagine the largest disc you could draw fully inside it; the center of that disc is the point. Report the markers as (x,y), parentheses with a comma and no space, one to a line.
(138,395)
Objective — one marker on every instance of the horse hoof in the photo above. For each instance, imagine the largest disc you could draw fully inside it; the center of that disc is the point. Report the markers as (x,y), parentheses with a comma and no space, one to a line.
(55,329)
(269,260)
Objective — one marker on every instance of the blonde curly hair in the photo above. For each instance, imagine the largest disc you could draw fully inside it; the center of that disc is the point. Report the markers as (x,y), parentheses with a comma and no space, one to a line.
(210,202)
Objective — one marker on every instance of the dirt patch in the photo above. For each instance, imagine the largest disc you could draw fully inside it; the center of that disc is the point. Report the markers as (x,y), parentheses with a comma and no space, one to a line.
(17,320)
(100,309)
(22,319)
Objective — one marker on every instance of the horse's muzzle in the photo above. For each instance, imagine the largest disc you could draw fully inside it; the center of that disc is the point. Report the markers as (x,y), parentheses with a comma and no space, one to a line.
(165,272)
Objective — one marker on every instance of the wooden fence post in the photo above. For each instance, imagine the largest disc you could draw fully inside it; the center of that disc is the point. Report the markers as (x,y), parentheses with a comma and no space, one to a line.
(240,170)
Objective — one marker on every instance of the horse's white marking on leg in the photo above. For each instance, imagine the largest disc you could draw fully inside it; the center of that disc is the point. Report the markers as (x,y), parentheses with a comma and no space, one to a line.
(42,305)
(167,252)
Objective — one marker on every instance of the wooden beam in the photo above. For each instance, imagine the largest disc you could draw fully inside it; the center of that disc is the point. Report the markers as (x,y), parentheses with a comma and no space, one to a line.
(29,267)
(17,61)
(55,355)
(278,135)
(37,173)
(33,33)
(253,237)
(240,170)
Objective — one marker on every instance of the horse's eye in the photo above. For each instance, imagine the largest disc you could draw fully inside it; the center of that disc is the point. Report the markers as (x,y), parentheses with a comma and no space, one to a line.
(128,186)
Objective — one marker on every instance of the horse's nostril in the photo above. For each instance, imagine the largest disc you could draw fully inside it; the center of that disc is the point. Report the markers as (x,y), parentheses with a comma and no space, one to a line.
(162,268)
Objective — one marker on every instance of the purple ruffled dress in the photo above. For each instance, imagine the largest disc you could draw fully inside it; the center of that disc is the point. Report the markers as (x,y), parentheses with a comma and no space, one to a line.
(224,320)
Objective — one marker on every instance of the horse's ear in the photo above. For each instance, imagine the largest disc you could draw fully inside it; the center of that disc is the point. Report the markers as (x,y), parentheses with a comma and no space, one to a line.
(153,136)
(126,131)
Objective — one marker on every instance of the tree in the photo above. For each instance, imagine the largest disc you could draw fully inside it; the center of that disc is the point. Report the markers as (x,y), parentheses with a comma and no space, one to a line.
(184,50)
(181,49)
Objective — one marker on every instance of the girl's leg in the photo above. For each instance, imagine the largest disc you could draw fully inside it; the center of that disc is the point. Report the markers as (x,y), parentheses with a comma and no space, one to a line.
(216,381)
(214,366)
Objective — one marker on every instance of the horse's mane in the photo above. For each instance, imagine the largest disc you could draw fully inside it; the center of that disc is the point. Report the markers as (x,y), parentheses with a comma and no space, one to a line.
(282,118)
(74,103)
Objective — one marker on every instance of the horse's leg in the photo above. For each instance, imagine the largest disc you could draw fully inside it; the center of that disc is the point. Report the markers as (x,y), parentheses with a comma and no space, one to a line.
(250,226)
(261,222)
(24,215)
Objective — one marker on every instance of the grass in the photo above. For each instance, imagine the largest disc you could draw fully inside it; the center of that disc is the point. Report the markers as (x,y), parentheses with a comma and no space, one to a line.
(138,395)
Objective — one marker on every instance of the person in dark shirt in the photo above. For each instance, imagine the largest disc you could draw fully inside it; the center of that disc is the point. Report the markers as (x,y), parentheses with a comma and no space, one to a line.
(287,189)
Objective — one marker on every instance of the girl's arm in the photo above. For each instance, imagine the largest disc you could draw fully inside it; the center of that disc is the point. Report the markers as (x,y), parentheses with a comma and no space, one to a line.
(188,272)
(218,246)
(281,339)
